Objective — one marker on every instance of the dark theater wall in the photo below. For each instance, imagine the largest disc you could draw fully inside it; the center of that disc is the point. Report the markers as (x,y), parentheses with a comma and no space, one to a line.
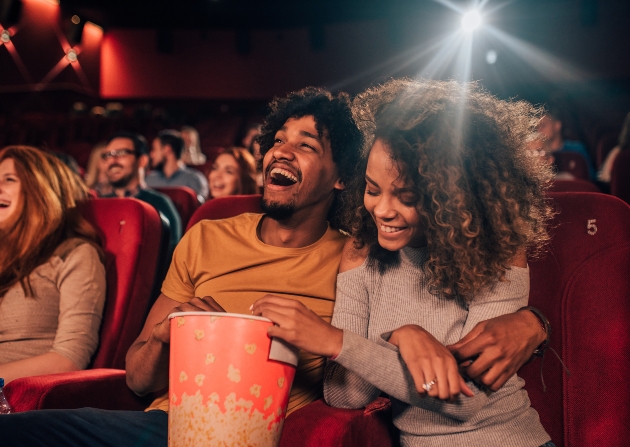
(207,64)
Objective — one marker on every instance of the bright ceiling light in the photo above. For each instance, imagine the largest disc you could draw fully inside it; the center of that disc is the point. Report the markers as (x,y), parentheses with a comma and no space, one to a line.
(471,21)
(5,37)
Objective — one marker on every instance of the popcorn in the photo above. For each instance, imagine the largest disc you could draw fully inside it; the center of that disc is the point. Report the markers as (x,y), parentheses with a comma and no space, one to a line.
(192,423)
(268,402)
(250,349)
(280,382)
(180,321)
(254,390)
(183,377)
(233,374)
(210,358)
(199,379)
(199,334)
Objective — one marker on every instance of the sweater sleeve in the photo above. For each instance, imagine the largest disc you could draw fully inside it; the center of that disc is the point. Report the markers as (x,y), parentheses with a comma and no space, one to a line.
(364,367)
(342,387)
(81,284)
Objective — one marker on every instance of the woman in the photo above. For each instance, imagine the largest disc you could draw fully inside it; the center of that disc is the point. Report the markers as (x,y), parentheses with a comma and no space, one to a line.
(52,279)
(233,172)
(191,155)
(95,176)
(449,204)
(624,144)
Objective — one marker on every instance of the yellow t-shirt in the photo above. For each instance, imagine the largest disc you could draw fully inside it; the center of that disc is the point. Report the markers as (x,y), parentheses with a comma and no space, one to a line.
(225,259)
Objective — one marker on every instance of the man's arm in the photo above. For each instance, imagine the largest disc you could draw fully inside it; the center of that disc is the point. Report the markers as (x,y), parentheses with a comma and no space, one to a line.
(147,358)
(503,344)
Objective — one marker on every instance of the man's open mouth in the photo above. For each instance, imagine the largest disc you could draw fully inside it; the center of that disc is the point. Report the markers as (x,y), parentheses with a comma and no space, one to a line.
(282,177)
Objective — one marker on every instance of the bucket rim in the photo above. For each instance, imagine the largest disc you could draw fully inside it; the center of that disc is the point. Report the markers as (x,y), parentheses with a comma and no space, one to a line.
(218,314)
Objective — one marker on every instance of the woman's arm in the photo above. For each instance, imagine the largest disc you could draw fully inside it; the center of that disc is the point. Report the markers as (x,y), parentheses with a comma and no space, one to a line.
(48,363)
(82,286)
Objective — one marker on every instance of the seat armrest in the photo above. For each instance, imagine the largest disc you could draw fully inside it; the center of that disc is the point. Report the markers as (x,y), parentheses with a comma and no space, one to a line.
(319,425)
(98,388)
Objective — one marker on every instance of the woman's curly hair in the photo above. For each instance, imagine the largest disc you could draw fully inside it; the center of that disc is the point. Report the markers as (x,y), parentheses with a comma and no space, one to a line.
(480,196)
(333,119)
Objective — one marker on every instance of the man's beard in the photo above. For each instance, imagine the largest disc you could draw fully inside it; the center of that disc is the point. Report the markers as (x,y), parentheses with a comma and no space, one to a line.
(122,182)
(277,211)
(159,166)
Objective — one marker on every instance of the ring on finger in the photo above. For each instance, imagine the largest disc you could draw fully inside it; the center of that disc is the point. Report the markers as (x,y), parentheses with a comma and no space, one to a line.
(427,386)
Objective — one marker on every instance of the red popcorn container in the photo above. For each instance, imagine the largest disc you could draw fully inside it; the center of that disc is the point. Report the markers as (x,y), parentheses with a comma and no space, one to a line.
(229,382)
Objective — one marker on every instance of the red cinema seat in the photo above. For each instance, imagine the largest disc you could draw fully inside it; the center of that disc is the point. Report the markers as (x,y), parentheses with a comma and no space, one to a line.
(184,199)
(572,162)
(576,185)
(620,176)
(130,232)
(224,207)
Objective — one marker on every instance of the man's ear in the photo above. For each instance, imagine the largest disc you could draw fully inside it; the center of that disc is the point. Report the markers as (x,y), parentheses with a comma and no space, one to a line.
(143,161)
(339,185)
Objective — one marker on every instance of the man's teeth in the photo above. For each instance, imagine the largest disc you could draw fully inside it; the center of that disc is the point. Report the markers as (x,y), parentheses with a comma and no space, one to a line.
(284,173)
(386,229)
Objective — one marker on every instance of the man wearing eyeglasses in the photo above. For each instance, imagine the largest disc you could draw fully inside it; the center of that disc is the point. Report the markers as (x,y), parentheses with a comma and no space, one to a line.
(125,158)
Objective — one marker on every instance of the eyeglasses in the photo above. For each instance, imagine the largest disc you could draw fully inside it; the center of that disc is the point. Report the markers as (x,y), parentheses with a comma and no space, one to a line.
(117,153)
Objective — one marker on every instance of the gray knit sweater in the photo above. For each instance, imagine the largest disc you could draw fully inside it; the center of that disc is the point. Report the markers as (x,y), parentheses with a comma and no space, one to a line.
(370,306)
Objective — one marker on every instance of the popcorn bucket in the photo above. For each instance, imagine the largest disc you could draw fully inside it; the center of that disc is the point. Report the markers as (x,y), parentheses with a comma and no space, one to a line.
(229,383)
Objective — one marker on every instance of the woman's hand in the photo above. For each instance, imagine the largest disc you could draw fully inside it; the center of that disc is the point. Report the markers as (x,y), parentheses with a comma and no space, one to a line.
(298,325)
(429,362)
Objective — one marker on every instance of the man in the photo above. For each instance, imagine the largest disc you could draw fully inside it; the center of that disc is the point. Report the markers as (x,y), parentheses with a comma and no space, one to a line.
(550,129)
(125,159)
(165,154)
(310,148)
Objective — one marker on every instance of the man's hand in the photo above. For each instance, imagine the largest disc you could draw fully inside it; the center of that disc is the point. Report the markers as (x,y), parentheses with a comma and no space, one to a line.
(162,330)
(429,361)
(502,344)
(298,325)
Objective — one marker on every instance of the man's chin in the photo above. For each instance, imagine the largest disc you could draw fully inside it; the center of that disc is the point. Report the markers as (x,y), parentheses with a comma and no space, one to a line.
(276,210)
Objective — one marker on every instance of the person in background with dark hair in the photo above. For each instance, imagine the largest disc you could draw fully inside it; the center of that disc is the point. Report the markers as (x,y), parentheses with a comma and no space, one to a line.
(233,172)
(624,144)
(126,159)
(165,154)
(550,129)
(52,278)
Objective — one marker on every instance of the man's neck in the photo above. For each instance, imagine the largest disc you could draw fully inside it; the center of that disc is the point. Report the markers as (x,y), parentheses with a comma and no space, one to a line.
(170,167)
(292,233)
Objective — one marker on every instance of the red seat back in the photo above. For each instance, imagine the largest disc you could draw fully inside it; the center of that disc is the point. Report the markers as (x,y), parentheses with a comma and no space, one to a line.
(572,162)
(576,185)
(224,207)
(130,232)
(583,285)
(184,199)
(620,176)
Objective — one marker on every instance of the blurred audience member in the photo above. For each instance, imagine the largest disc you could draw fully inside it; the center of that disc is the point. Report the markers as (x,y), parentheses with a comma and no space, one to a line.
(254,149)
(624,144)
(52,279)
(537,148)
(251,132)
(95,176)
(125,159)
(191,154)
(550,128)
(233,172)
(166,151)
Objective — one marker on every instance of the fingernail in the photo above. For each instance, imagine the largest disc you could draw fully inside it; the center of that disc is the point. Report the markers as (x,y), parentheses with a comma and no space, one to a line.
(251,307)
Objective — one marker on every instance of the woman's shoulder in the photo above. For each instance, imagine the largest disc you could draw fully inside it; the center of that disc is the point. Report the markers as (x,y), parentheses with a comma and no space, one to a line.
(351,256)
(75,246)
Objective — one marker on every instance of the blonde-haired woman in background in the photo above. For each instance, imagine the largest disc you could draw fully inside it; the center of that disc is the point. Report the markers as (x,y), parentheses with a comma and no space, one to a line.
(52,279)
